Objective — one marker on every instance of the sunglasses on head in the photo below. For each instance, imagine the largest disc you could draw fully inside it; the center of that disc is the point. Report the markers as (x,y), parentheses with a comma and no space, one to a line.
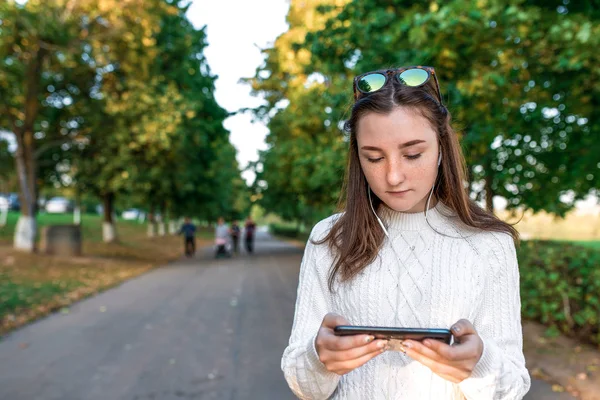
(416,76)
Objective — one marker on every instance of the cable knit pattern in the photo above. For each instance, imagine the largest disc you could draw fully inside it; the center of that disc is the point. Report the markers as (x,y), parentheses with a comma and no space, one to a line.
(429,274)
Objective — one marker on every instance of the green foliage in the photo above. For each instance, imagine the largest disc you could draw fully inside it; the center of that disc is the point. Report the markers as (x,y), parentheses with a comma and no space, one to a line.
(284,230)
(288,231)
(560,287)
(519,77)
(116,99)
(591,244)
(299,176)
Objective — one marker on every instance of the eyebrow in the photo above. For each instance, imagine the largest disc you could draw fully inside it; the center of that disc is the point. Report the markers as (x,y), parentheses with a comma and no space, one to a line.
(402,146)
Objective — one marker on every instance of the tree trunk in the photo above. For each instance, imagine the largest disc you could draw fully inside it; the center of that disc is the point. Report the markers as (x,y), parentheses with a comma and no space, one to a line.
(3,216)
(77,209)
(25,231)
(162,231)
(161,228)
(109,232)
(151,223)
(172,227)
(77,215)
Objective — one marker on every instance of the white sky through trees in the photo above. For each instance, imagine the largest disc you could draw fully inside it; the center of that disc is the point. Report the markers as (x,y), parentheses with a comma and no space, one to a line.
(237,30)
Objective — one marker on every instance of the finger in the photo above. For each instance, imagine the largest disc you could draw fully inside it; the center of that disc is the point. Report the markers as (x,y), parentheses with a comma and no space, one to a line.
(358,352)
(340,343)
(349,365)
(462,328)
(434,365)
(451,353)
(332,320)
(419,348)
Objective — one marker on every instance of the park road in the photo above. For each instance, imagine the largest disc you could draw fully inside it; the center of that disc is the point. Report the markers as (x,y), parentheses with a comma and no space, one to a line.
(196,329)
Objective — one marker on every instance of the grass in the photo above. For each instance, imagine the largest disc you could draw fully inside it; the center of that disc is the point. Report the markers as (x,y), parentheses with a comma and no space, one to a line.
(594,244)
(19,295)
(33,285)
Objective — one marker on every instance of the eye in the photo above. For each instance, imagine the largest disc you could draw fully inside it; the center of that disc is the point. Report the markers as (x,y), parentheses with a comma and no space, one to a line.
(374,160)
(413,157)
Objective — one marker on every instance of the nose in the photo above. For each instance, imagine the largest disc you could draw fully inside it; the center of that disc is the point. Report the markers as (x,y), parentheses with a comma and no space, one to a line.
(394,174)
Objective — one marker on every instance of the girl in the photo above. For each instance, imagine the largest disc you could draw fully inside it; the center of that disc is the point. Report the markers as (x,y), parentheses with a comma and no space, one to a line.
(410,249)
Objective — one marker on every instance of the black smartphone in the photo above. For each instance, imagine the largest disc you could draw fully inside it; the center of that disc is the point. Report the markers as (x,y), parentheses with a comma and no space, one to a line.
(380,332)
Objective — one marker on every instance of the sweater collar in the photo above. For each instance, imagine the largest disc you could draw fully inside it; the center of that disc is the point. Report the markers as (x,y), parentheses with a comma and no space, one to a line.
(396,220)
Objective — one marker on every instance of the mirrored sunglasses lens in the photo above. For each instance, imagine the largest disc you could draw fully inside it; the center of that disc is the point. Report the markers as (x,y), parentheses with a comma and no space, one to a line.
(413,77)
(370,83)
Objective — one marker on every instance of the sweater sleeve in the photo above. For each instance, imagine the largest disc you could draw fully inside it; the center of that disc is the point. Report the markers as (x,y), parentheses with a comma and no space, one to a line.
(304,372)
(500,372)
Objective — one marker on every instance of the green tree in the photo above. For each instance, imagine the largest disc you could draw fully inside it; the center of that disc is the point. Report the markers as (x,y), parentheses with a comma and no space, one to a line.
(298,176)
(518,76)
(203,176)
(44,42)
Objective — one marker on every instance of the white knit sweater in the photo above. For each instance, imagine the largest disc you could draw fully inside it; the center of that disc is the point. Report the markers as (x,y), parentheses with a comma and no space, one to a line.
(438,279)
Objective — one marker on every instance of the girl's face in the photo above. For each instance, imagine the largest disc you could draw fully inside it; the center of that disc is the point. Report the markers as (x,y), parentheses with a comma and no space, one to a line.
(398,154)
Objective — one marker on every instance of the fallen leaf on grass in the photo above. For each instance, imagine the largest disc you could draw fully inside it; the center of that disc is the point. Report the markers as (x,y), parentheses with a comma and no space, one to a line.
(542,340)
(539,373)
(557,388)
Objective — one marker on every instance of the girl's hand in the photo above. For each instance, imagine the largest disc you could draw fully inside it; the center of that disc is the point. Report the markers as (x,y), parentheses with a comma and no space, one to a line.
(454,363)
(342,354)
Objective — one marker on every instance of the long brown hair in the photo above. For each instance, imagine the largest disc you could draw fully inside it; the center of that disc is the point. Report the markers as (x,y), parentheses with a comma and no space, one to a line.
(356,236)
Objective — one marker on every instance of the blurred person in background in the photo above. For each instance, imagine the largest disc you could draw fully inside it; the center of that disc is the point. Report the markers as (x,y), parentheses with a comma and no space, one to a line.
(235,232)
(250,228)
(188,230)
(221,236)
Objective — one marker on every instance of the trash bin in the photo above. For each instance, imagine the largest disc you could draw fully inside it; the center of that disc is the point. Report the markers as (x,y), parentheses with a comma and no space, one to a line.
(64,240)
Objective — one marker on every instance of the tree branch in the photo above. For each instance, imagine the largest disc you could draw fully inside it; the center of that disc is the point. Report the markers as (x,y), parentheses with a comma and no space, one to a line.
(42,149)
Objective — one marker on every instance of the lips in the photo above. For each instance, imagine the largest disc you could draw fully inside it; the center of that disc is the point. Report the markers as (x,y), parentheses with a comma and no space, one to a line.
(399,192)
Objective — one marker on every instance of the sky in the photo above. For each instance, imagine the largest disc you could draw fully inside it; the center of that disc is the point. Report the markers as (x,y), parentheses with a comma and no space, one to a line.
(237,30)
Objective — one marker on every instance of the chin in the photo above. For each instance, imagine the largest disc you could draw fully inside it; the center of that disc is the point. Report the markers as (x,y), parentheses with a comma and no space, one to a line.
(404,205)
(400,205)
(402,209)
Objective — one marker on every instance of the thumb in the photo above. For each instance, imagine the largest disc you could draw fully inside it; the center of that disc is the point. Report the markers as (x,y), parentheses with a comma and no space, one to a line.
(462,329)
(331,320)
